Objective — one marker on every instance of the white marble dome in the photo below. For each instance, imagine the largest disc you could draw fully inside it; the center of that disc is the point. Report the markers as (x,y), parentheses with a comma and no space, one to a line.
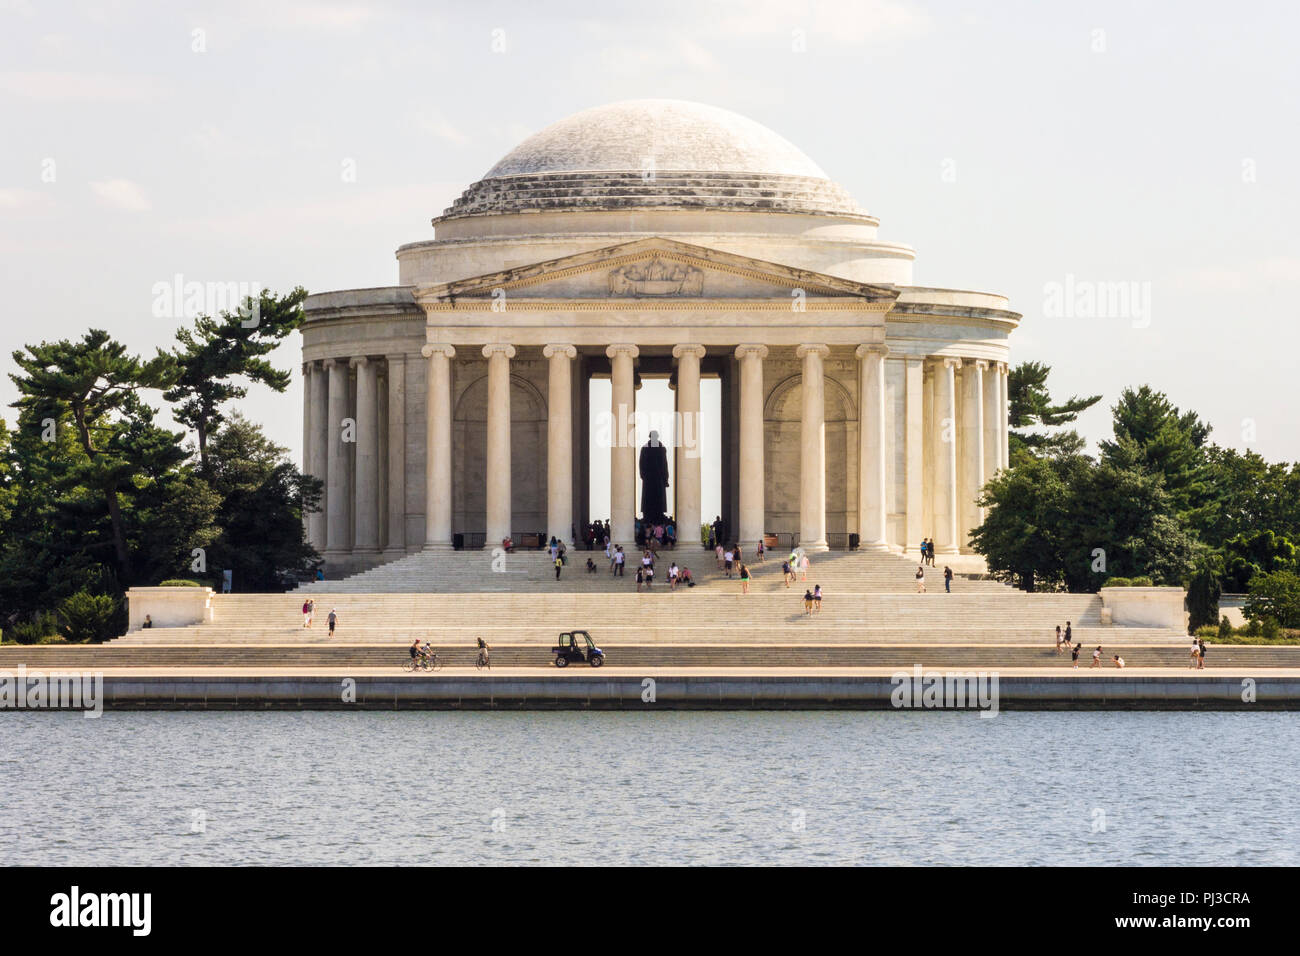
(640,154)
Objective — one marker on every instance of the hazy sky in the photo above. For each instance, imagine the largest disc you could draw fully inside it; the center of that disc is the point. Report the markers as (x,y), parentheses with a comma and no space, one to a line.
(1017,146)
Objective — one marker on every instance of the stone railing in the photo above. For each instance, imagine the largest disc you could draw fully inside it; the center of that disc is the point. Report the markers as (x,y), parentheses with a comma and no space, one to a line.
(168,607)
(1144,607)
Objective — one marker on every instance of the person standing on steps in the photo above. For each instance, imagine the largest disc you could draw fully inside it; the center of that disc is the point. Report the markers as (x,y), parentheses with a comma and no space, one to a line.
(804,564)
(1200,656)
(1069,633)
(744,578)
(1096,657)
(1059,647)
(559,565)
(817,599)
(333,619)
(920,579)
(947,579)
(786,573)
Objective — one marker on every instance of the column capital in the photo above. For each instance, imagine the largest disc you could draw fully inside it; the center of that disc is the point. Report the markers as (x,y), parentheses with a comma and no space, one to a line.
(862,351)
(751,350)
(983,364)
(1003,368)
(812,349)
(622,348)
(329,362)
(446,351)
(949,361)
(568,351)
(359,361)
(498,348)
(308,367)
(685,349)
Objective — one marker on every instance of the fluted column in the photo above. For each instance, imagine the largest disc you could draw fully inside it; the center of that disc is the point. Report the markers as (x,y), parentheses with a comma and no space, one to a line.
(559,443)
(338,477)
(366,506)
(914,450)
(945,456)
(499,502)
(812,473)
(622,452)
(991,400)
(437,447)
(753,476)
(686,500)
(1004,413)
(395,543)
(873,508)
(972,447)
(317,414)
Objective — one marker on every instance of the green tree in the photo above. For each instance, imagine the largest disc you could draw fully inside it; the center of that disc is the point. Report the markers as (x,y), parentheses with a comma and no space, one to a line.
(1275,595)
(93,384)
(263,499)
(217,352)
(1203,593)
(1153,435)
(1247,556)
(1030,405)
(1022,537)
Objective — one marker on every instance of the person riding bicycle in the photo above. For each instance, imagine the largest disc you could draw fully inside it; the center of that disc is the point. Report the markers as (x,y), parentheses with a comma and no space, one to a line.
(484,651)
(426,653)
(415,649)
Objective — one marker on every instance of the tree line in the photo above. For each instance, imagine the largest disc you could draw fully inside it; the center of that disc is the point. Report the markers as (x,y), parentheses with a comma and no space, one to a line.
(1158,503)
(95,497)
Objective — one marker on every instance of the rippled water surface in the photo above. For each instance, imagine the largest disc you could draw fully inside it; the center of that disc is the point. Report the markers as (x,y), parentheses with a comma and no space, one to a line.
(856,788)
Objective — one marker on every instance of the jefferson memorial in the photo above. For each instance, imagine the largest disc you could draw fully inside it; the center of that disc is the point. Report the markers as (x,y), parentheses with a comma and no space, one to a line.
(652,238)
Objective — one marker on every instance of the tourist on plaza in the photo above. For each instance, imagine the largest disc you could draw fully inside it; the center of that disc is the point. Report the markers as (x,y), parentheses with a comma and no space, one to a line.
(1059,648)
(559,565)
(920,579)
(817,598)
(415,649)
(947,579)
(308,610)
(1196,653)
(1069,632)
(672,576)
(1096,657)
(640,578)
(591,566)
(787,574)
(807,602)
(148,621)
(1074,655)
(719,554)
(619,560)
(333,619)
(1200,656)
(922,550)
(685,578)
(744,579)
(649,576)
(727,558)
(1117,660)
(759,549)
(804,564)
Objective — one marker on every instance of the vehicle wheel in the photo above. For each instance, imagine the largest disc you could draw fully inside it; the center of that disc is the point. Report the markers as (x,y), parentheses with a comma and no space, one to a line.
(437,665)
(409,666)
(561,662)
(597,660)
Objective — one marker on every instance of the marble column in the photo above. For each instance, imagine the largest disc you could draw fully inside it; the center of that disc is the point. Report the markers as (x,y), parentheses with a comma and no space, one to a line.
(812,441)
(395,543)
(945,456)
(990,399)
(437,444)
(752,473)
(317,464)
(1004,413)
(499,503)
(686,499)
(622,452)
(366,507)
(338,539)
(873,509)
(914,451)
(559,443)
(972,447)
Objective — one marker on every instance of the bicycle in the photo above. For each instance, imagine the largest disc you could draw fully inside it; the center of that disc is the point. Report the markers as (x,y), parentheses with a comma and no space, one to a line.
(432,662)
(483,660)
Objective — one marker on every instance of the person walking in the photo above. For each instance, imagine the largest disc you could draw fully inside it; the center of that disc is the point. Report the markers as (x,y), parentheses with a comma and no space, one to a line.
(1096,657)
(947,579)
(728,558)
(1200,657)
(759,550)
(804,564)
(308,609)
(559,564)
(640,578)
(1058,639)
(787,575)
(744,579)
(920,579)
(817,598)
(1069,633)
(807,602)
(1196,653)
(333,619)
(619,560)
(1074,655)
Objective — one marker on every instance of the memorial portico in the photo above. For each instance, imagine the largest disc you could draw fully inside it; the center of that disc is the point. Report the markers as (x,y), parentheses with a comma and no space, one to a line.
(453,410)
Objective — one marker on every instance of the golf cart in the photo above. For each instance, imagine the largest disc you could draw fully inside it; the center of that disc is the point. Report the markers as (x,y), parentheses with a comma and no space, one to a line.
(577,647)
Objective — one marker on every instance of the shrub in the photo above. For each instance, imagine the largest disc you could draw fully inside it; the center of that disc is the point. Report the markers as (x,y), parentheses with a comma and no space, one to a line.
(1142,582)
(1225,627)
(1118,583)
(41,626)
(179,583)
(1203,594)
(1270,630)
(89,618)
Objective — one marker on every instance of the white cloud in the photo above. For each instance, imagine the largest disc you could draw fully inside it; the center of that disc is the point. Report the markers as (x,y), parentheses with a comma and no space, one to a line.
(49,85)
(19,198)
(122,194)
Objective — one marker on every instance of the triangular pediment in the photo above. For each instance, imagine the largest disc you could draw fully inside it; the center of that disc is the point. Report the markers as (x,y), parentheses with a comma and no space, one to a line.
(654,269)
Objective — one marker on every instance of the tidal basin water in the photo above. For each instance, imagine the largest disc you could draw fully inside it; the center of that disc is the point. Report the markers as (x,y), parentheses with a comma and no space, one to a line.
(758,788)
